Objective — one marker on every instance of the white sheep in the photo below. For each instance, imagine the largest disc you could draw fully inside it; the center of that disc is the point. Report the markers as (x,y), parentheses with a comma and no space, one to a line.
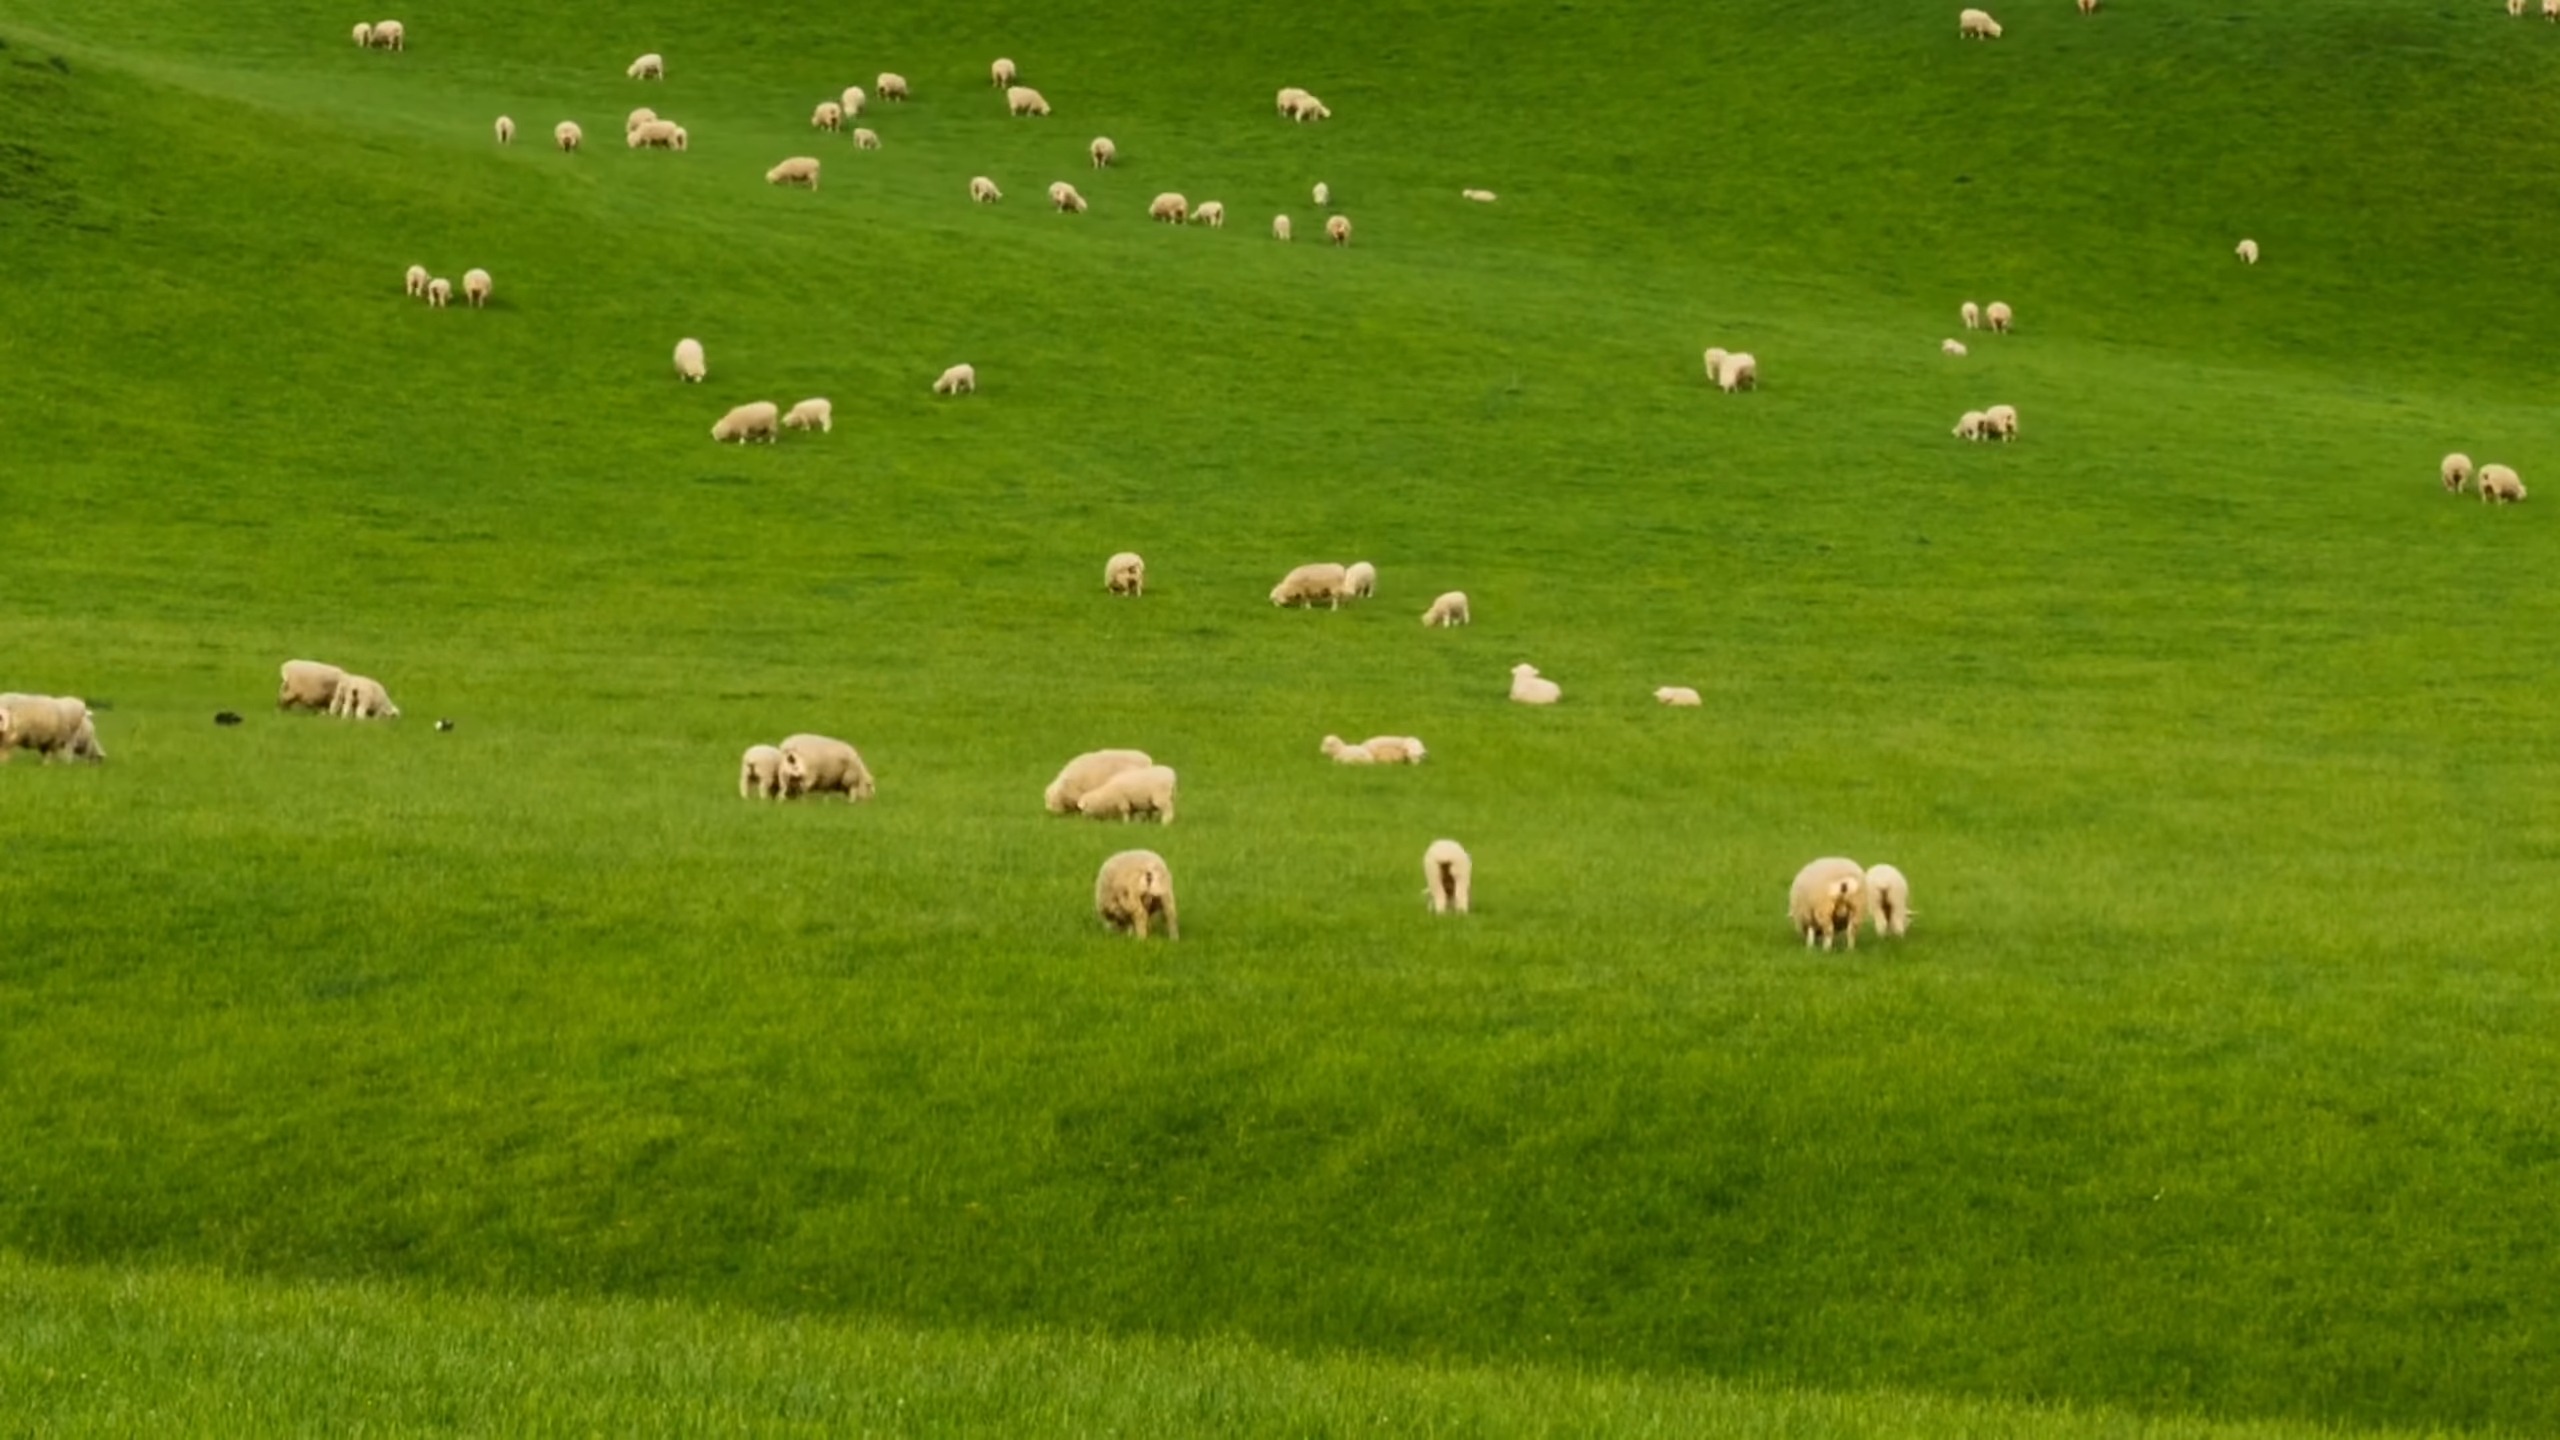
(50,725)
(1680,695)
(1360,580)
(1063,196)
(1395,749)
(1827,901)
(1211,213)
(1998,317)
(1338,229)
(638,118)
(1344,754)
(1738,371)
(439,292)
(1972,426)
(828,116)
(1310,583)
(2500,483)
(853,100)
(1288,99)
(1132,889)
(1023,100)
(2456,472)
(813,414)
(364,32)
(308,685)
(567,135)
(2088,7)
(958,380)
(1528,687)
(390,34)
(653,135)
(1125,574)
(415,282)
(866,139)
(1976,25)
(1448,610)
(475,287)
(1103,152)
(506,130)
(2247,251)
(1147,790)
(2001,421)
(1951,346)
(798,170)
(1087,773)
(1448,875)
(1714,358)
(1279,227)
(1889,901)
(1323,194)
(757,420)
(689,365)
(890,86)
(1972,314)
(677,139)
(1002,73)
(760,773)
(1481,197)
(1170,208)
(651,66)
(1297,105)
(983,190)
(823,765)
(361,697)
(2515,8)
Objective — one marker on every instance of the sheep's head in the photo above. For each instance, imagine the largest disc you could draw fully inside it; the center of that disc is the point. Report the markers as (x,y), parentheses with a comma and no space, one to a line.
(1332,745)
(7,727)
(1523,672)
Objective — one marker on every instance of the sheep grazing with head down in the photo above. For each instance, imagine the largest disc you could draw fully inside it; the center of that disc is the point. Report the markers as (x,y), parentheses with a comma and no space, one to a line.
(760,773)
(1889,901)
(958,380)
(828,116)
(853,100)
(1211,213)
(1360,580)
(51,726)
(1307,584)
(689,364)
(1738,371)
(439,293)
(308,685)
(1998,317)
(1023,100)
(364,35)
(1828,900)
(1134,889)
(814,414)
(983,190)
(1125,574)
(1528,687)
(416,281)
(1169,208)
(2247,250)
(798,170)
(1972,425)
(568,135)
(1132,794)
(823,765)
(756,420)
(1103,152)
(1087,773)
(506,130)
(1448,610)
(390,35)
(1279,227)
(2001,422)
(637,118)
(1448,877)
(890,86)
(2499,483)
(2456,472)
(475,288)
(1064,198)
(866,139)
(1003,73)
(361,697)
(1972,314)
(1338,229)
(1977,25)
(651,66)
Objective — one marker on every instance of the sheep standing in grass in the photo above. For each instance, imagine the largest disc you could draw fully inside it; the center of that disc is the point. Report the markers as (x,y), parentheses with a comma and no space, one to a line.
(391,35)
(853,100)
(1951,346)
(760,773)
(1103,152)
(1125,574)
(50,725)
(475,287)
(1063,196)
(1448,877)
(654,135)
(819,415)
(958,380)
(1680,695)
(823,765)
(891,85)
(567,135)
(2551,11)
(2001,421)
(1972,314)
(2247,250)
(828,116)
(439,293)
(1323,194)
(1714,358)
(1340,753)
(2499,483)
(1134,889)
(361,697)
(2456,472)
(1972,426)
(1298,106)
(1338,229)
(1211,213)
(1310,583)
(866,140)
(798,170)
(308,685)
(1528,687)
(651,66)
(637,118)
(1169,208)
(1977,25)
(1002,73)
(364,33)
(983,190)
(1998,317)
(1738,371)
(506,130)
(689,366)
(1023,100)
(1827,901)
(1448,610)
(1145,791)
(1085,774)
(415,282)
(1360,580)
(2515,8)
(1889,901)
(1279,227)
(757,420)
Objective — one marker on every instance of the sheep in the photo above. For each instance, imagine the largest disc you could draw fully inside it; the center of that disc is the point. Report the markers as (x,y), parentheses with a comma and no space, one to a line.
(958,380)
(361,697)
(1103,152)
(651,66)
(689,366)
(439,292)
(1889,901)
(1323,194)
(1714,358)
(1211,213)
(2515,8)
(677,139)
(2088,7)
(1448,873)
(821,765)
(1131,889)
(1739,371)
(1976,25)
(1002,73)
(568,135)
(1448,610)
(49,725)
(506,130)
(1528,687)
(84,740)
(1972,314)
(415,282)
(307,685)
(390,35)
(2499,483)
(853,100)
(2551,10)
(1064,197)
(1288,99)
(1827,901)
(1998,317)
(2002,421)
(760,773)
(798,170)
(890,86)
(2247,250)
(866,139)
(653,135)
(1023,100)
(1170,208)
(1146,790)
(1481,197)
(1974,425)
(475,287)
(1951,346)
(817,415)
(1298,106)
(983,190)
(1310,583)
(1343,754)
(364,32)
(638,118)
(1086,773)
(1279,227)
(1125,574)
(1395,749)
(1679,695)
(2456,472)
(1360,580)
(828,116)
(757,420)
(1338,229)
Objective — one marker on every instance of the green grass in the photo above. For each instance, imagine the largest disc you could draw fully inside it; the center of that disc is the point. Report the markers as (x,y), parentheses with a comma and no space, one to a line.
(2215,1079)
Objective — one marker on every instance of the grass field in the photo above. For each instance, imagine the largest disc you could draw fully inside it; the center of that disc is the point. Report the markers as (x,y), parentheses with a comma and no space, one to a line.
(2216,1079)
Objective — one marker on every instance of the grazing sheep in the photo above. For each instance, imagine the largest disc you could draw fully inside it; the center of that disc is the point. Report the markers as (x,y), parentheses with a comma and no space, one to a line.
(1064,197)
(1211,213)
(308,685)
(1998,317)
(757,420)
(653,135)
(1360,580)
(958,380)
(1288,99)
(983,190)
(1448,873)
(1951,346)
(1972,314)
(1395,749)
(1125,574)
(1973,426)
(798,170)
(890,86)
(1338,229)
(475,287)
(1147,790)
(1827,901)
(1297,105)
(49,725)
(1134,888)
(2499,483)
(822,765)
(2001,421)
(439,293)
(1323,194)
(760,773)
(1310,583)
(1481,197)
(651,66)
(567,135)
(2456,472)
(1103,152)
(1738,371)
(361,697)
(1528,687)
(1023,100)
(415,282)
(1680,695)
(678,140)
(1087,773)
(1002,73)
(828,116)
(364,32)
(817,415)
(1714,358)
(853,100)
(1448,610)
(689,366)
(390,35)
(1170,208)
(1279,227)
(866,139)
(1889,901)
(1976,25)
(2247,251)
(506,130)
(638,118)
(1343,754)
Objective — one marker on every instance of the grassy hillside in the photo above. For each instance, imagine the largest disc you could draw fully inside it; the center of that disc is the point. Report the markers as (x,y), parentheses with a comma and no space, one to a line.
(2215,739)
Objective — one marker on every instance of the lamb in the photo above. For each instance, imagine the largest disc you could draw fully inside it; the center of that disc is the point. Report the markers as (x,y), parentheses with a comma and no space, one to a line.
(2499,483)
(1680,695)
(1448,872)
(1951,346)
(1170,208)
(1086,773)
(1288,100)
(1343,754)
(817,415)
(1297,105)
(828,116)
(308,685)
(567,135)
(506,130)
(1889,901)
(853,100)
(2248,252)
(415,283)
(821,765)
(49,725)
(1738,371)
(1338,229)
(475,287)
(758,420)
(890,86)
(1714,358)
(1023,100)
(798,170)
(1147,790)
(1279,227)
(638,118)
(1998,316)
(361,697)
(2002,421)
(958,380)
(1310,583)
(1103,152)
(760,773)
(1528,687)
(1481,197)
(1323,194)
(1133,888)
(1003,73)
(689,366)
(2456,472)
(1360,580)
(1973,426)
(653,134)
(1976,25)
(866,139)
(1125,574)
(364,32)
(983,190)
(1972,314)
(1827,901)
(1064,197)
(439,293)
(1395,749)
(651,66)
(390,35)
(1211,213)
(1448,610)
